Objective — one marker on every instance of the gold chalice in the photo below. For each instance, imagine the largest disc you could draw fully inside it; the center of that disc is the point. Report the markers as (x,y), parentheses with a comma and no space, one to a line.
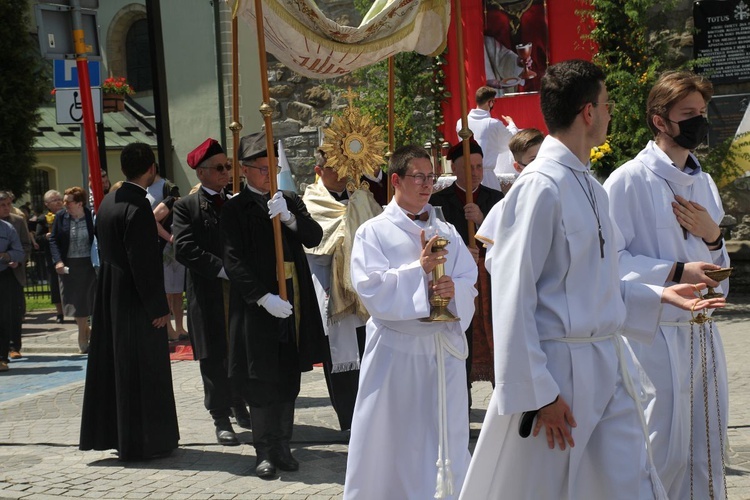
(718,275)
(439,305)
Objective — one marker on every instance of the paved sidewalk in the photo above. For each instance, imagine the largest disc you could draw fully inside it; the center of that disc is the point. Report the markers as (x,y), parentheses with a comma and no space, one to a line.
(40,420)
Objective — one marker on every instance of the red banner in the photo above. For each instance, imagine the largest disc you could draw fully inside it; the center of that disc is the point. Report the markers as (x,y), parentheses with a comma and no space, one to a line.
(564,42)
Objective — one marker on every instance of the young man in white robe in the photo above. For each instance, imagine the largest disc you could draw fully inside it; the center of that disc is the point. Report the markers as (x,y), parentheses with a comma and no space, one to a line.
(411,406)
(492,135)
(559,310)
(668,211)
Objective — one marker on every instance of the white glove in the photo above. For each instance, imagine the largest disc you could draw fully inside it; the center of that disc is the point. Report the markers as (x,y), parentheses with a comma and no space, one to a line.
(277,206)
(275,305)
(222,274)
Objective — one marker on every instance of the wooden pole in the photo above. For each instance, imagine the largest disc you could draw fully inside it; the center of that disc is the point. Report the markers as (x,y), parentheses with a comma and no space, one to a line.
(267,111)
(235,126)
(391,121)
(465,134)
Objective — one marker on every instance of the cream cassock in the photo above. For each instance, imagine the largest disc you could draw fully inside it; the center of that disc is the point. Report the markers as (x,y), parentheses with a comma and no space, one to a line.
(412,399)
(641,194)
(558,311)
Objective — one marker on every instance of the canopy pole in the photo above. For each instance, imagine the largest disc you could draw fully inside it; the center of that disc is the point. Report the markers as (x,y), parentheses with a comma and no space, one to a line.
(465,134)
(267,111)
(235,126)
(391,121)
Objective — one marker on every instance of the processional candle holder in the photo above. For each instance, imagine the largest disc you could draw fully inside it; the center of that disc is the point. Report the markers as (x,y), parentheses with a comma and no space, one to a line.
(718,275)
(438,305)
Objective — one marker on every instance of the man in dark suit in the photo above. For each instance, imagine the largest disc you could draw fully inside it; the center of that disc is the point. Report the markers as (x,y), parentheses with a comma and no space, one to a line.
(17,297)
(11,253)
(479,364)
(128,401)
(198,246)
(272,340)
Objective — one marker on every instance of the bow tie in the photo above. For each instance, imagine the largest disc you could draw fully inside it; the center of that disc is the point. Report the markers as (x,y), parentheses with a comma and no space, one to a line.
(423,216)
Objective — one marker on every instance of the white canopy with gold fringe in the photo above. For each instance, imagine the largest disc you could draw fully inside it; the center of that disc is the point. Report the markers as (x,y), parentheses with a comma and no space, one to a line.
(299,35)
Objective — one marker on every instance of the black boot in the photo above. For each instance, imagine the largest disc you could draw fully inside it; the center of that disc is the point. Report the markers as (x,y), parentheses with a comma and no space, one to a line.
(281,454)
(242,416)
(224,433)
(263,436)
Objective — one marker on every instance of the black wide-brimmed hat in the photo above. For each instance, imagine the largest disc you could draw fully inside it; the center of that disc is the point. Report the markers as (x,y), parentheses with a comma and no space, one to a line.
(253,146)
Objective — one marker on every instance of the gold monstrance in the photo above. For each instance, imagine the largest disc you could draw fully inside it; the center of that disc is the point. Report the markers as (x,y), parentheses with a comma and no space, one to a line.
(353,144)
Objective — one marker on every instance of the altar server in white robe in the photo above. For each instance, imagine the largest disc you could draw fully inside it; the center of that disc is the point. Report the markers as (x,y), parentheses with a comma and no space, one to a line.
(411,406)
(492,135)
(559,312)
(668,211)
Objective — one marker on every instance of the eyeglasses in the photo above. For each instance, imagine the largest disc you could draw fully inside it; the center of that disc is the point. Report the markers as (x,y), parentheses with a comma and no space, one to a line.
(220,168)
(610,105)
(420,179)
(262,170)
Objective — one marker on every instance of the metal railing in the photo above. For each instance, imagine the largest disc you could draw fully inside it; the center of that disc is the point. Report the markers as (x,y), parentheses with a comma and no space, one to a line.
(38,276)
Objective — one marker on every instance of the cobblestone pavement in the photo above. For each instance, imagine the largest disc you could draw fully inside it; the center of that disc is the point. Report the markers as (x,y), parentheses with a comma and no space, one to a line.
(40,403)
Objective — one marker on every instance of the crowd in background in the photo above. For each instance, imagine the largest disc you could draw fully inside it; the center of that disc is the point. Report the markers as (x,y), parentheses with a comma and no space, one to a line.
(60,251)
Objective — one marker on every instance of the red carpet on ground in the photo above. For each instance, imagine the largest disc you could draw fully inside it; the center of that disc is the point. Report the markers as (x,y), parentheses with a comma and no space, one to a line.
(181,351)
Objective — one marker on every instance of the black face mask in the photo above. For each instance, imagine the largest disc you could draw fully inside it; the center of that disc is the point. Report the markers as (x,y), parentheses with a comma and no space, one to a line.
(692,132)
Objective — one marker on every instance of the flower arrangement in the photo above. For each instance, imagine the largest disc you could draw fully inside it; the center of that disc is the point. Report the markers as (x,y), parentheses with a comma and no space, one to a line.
(602,159)
(117,85)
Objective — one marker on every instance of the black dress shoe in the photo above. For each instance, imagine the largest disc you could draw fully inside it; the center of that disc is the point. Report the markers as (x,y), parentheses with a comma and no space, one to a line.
(60,318)
(227,437)
(242,416)
(283,459)
(264,469)
(140,458)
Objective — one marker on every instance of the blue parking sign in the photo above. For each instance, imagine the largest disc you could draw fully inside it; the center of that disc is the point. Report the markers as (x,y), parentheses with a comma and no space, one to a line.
(66,73)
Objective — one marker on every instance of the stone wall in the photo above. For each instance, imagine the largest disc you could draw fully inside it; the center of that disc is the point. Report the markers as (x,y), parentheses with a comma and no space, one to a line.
(739,255)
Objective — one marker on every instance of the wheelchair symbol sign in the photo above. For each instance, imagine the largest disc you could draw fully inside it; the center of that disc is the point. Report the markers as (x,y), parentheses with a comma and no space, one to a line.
(69,108)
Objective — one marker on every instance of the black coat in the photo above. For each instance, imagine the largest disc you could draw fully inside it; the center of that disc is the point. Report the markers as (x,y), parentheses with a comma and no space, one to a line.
(250,262)
(128,401)
(198,247)
(40,235)
(453,209)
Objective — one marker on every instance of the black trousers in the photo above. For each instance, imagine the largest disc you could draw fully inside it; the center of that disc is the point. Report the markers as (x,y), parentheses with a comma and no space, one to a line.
(218,394)
(285,388)
(342,386)
(7,283)
(18,305)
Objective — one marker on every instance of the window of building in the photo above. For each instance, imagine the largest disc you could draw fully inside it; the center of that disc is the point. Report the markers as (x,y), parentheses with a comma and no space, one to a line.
(138,56)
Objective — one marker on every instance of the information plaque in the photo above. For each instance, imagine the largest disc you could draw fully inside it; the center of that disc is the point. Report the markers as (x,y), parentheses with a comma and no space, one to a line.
(722,38)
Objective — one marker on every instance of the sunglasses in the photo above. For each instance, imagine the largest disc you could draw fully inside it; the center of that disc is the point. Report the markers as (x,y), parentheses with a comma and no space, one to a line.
(220,168)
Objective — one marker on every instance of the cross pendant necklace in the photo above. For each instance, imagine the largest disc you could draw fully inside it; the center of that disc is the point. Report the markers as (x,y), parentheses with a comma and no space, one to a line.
(591,197)
(684,231)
